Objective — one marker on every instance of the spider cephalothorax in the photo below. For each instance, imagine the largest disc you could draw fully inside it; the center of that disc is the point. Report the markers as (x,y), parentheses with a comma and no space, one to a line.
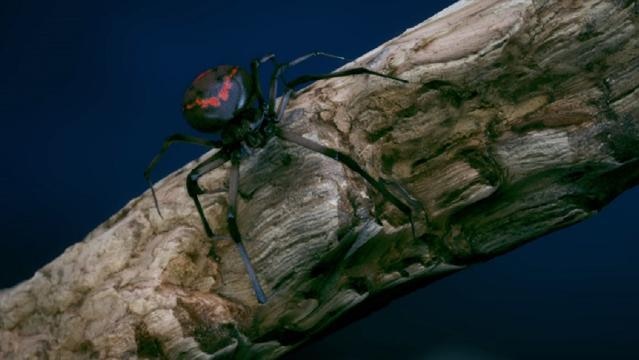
(228,102)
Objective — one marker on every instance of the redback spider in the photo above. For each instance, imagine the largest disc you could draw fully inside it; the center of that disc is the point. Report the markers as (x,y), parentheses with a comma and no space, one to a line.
(227,101)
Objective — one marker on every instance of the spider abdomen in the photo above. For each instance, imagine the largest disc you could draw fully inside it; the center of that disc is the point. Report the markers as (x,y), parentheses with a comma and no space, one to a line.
(215,96)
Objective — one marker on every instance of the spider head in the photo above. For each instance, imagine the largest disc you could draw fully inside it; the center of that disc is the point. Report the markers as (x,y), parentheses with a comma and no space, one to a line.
(215,96)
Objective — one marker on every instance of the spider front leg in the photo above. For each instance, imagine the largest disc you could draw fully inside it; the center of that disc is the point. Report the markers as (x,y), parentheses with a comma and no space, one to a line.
(353,165)
(354,71)
(308,78)
(279,71)
(234,181)
(267,106)
(165,146)
(193,189)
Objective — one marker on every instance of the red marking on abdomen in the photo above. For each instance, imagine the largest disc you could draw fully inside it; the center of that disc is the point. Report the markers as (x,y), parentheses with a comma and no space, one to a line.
(202,75)
(213,101)
(222,94)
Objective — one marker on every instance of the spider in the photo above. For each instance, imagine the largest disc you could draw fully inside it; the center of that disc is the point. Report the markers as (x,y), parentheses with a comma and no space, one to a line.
(227,102)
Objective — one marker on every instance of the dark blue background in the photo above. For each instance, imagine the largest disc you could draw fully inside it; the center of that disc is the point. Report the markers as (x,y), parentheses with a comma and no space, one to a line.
(89,91)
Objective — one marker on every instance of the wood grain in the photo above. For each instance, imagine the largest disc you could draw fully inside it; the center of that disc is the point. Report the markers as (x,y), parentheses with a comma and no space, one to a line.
(521,117)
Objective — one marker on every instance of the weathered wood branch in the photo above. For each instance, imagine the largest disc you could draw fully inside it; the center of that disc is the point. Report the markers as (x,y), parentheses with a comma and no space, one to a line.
(521,117)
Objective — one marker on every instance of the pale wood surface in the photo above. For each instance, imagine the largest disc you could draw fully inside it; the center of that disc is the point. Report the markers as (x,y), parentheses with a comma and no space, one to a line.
(520,117)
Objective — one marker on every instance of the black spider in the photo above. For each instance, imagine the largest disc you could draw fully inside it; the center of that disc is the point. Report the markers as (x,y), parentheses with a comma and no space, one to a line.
(227,101)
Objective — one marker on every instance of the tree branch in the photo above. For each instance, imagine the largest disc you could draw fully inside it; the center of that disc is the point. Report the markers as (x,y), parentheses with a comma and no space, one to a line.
(521,117)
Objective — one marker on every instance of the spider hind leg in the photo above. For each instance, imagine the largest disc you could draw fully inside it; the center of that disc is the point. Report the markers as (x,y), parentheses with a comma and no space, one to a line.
(408,206)
(400,192)
(234,180)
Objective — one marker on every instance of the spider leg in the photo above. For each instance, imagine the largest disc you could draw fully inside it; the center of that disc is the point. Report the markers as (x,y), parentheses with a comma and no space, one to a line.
(310,55)
(267,57)
(353,165)
(165,146)
(308,78)
(193,189)
(283,103)
(257,89)
(234,180)
(255,76)
(279,69)
(354,71)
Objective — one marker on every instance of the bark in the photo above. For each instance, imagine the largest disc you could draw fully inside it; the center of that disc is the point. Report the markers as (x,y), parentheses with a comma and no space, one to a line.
(520,117)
